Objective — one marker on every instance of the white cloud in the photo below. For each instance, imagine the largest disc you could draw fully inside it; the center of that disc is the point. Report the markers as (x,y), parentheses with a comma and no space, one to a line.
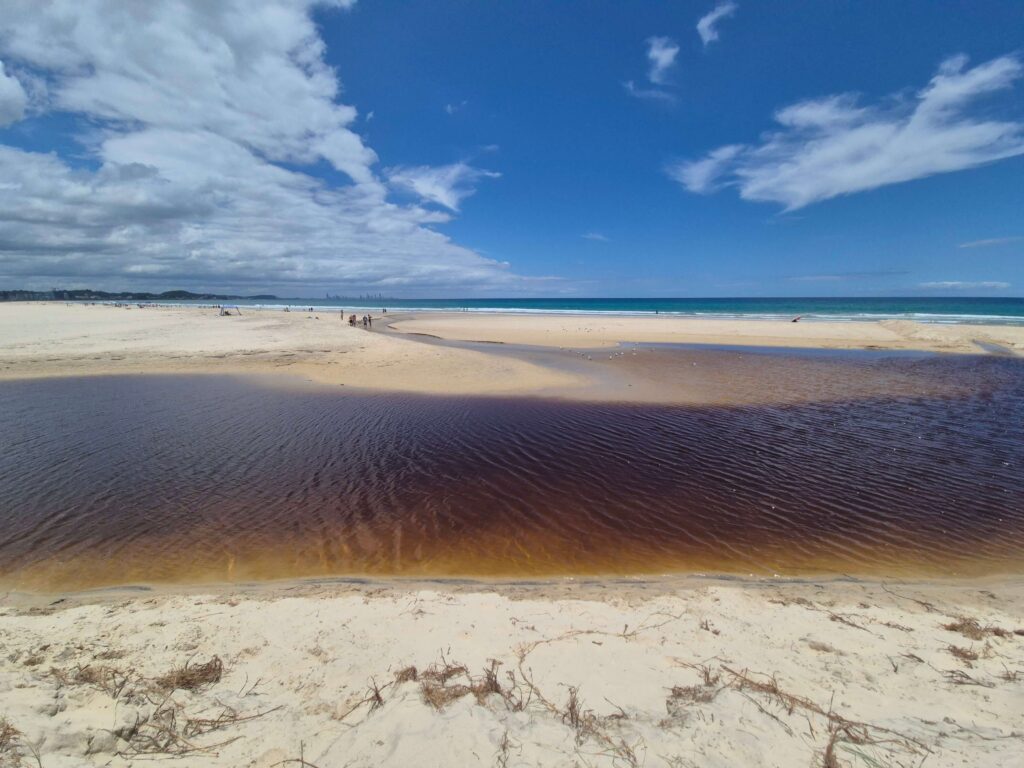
(991,241)
(661,51)
(13,99)
(451,109)
(653,94)
(843,276)
(206,116)
(706,25)
(960,285)
(446,185)
(596,236)
(832,146)
(702,175)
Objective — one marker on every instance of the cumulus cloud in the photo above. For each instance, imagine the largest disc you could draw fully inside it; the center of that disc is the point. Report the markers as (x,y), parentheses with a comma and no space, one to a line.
(960,285)
(662,52)
(446,185)
(706,27)
(835,146)
(209,120)
(13,98)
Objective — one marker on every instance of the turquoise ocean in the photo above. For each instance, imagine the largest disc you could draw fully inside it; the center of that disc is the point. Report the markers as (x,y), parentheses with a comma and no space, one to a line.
(1000,311)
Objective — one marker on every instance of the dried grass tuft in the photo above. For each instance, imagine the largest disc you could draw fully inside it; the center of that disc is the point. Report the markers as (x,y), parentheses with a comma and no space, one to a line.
(695,694)
(439,692)
(406,675)
(966,655)
(12,749)
(973,629)
(192,677)
(487,684)
(8,734)
(573,715)
(443,672)
(108,679)
(438,695)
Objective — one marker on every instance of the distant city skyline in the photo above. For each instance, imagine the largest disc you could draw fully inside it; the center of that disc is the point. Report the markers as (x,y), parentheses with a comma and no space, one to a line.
(690,149)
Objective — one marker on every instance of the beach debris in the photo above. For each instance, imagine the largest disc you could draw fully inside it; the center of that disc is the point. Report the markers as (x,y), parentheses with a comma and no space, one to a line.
(972,628)
(438,692)
(406,674)
(966,655)
(10,744)
(192,678)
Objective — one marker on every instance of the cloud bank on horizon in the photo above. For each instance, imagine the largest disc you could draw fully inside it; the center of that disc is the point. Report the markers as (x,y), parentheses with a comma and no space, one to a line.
(834,146)
(203,118)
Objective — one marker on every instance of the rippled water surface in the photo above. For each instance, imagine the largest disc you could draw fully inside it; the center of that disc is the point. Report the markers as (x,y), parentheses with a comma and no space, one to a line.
(148,479)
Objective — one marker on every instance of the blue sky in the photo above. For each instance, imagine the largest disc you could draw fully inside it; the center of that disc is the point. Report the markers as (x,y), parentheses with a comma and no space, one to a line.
(588,149)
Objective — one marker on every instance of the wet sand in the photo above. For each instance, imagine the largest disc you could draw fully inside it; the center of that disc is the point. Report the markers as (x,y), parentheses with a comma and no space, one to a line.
(598,331)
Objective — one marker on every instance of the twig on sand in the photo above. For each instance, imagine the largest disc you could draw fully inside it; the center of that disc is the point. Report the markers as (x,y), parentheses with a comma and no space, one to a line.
(929,607)
(841,729)
(300,760)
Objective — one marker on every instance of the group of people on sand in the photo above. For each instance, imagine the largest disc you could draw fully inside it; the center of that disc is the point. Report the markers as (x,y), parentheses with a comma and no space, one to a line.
(367,320)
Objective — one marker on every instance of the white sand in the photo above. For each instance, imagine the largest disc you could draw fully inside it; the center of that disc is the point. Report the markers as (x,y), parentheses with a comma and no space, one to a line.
(55,339)
(590,331)
(307,656)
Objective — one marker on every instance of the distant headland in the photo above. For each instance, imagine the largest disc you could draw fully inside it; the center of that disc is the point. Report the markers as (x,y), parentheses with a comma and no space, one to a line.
(87,294)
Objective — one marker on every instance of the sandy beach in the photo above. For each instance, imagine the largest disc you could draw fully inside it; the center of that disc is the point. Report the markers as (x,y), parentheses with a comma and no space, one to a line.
(677,673)
(511,385)
(41,339)
(683,672)
(54,339)
(597,331)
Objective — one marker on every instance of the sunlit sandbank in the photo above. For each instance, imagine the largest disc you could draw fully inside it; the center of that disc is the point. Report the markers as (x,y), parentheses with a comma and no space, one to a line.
(54,339)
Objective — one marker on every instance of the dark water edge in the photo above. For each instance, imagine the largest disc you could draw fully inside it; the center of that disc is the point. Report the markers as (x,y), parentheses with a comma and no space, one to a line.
(170,479)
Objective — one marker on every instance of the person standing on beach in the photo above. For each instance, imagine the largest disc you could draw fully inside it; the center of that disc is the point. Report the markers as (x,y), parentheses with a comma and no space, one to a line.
(369,319)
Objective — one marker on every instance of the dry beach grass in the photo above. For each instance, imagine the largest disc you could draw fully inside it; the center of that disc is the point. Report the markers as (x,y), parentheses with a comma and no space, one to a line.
(677,673)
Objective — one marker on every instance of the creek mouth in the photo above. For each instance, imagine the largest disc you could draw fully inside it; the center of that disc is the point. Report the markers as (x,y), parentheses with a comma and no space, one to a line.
(898,467)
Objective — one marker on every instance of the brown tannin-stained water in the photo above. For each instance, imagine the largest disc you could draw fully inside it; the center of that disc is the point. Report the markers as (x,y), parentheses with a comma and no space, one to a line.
(120,480)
